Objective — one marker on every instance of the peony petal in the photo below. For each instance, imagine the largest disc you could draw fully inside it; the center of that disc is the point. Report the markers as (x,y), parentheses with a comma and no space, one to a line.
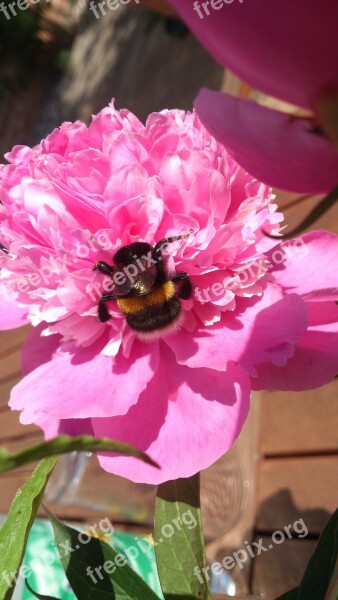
(81,383)
(185,421)
(287,50)
(11,314)
(315,362)
(308,265)
(248,335)
(275,147)
(38,349)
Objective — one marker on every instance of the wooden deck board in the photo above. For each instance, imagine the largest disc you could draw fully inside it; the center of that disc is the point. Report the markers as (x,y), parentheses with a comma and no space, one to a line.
(294,216)
(16,444)
(5,390)
(280,568)
(10,366)
(12,428)
(293,488)
(303,423)
(12,339)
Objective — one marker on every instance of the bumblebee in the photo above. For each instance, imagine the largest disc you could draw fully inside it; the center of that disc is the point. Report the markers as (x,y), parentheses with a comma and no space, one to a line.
(144,291)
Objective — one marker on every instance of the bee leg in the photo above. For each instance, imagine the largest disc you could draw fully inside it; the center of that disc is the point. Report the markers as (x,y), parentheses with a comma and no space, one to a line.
(103,313)
(185,285)
(104,268)
(160,246)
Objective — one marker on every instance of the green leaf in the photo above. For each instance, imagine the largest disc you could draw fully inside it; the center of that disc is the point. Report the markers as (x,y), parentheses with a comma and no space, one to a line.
(86,565)
(179,543)
(322,564)
(39,596)
(291,595)
(64,444)
(332,592)
(15,531)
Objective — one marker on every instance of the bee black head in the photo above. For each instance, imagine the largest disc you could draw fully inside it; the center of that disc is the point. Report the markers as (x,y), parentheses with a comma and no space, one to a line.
(127,254)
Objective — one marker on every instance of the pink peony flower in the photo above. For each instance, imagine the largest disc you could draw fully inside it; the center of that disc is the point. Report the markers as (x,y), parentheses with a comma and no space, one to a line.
(289,51)
(261,313)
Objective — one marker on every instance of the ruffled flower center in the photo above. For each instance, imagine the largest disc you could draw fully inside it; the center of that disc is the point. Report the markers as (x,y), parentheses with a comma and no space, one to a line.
(84,193)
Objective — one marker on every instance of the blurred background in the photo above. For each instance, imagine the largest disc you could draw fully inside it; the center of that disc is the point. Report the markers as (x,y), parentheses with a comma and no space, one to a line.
(64,60)
(60,62)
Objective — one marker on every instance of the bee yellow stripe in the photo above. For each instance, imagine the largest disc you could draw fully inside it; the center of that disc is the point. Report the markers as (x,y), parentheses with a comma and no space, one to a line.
(139,303)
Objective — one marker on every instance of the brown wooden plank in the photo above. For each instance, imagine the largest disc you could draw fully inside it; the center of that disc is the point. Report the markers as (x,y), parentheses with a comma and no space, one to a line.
(10,426)
(280,568)
(293,488)
(295,423)
(295,215)
(9,485)
(5,390)
(12,339)
(10,360)
(16,444)
(19,444)
(10,366)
